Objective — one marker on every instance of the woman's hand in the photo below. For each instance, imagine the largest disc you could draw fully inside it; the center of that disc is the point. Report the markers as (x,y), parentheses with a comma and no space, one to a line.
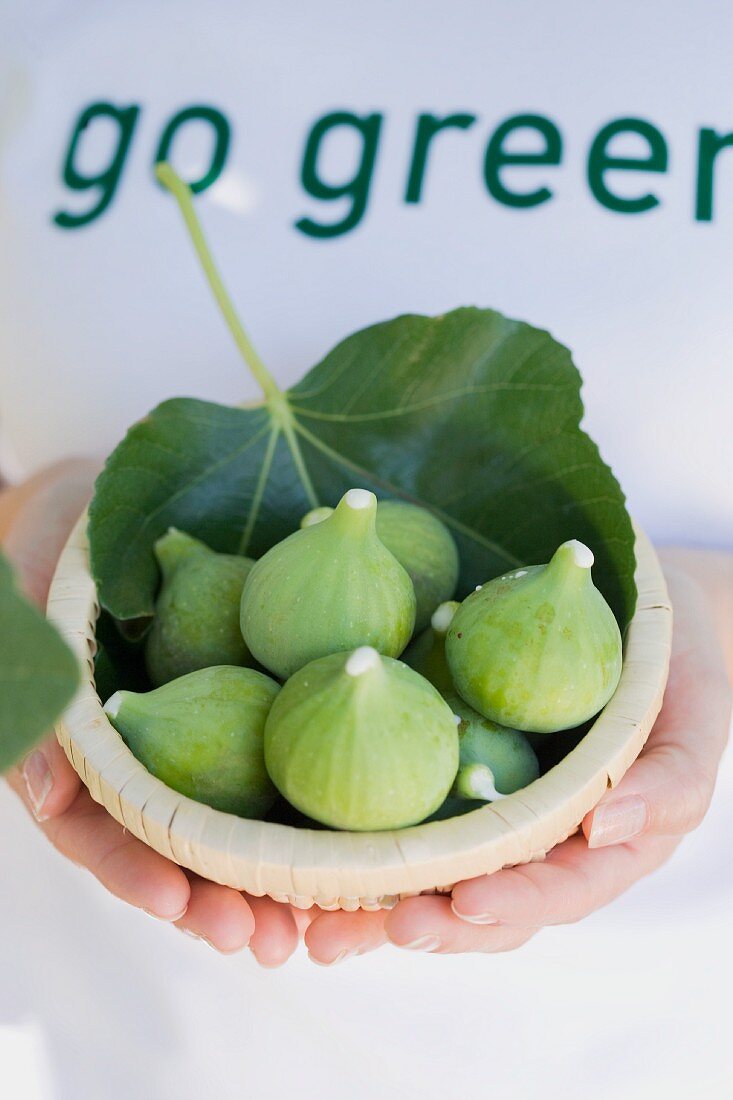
(632,831)
(35,520)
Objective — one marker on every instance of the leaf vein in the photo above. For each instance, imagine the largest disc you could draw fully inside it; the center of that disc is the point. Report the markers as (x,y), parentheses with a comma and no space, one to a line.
(449,520)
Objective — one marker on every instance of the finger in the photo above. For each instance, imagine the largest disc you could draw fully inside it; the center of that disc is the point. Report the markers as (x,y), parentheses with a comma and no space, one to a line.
(304,918)
(129,869)
(14,499)
(275,937)
(36,521)
(429,924)
(333,937)
(668,790)
(571,883)
(712,570)
(46,781)
(217,915)
(665,793)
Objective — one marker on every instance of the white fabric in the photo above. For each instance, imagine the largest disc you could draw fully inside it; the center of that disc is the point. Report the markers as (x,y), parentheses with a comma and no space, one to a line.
(104,321)
(97,324)
(631,1004)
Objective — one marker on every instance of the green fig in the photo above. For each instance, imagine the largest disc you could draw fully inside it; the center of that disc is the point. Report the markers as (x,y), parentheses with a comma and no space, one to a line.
(362,742)
(196,622)
(202,735)
(423,546)
(495,761)
(426,653)
(329,587)
(316,515)
(538,649)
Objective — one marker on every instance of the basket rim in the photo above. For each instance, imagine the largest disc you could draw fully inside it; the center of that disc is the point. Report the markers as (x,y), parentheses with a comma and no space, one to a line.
(343,869)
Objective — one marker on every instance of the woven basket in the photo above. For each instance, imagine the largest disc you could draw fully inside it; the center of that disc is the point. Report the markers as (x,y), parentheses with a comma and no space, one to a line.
(339,870)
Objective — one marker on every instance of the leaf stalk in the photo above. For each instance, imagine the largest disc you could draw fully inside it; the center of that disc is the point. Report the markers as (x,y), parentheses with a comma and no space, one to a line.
(182,194)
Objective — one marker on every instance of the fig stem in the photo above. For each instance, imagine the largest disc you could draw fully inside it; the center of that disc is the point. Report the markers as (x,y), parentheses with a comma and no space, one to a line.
(355,514)
(364,659)
(571,563)
(113,704)
(316,515)
(182,194)
(442,617)
(582,555)
(476,781)
(174,547)
(276,400)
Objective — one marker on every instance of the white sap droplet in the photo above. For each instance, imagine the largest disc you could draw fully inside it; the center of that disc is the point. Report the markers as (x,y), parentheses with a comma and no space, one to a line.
(442,617)
(521,573)
(359,498)
(582,554)
(457,719)
(478,588)
(362,659)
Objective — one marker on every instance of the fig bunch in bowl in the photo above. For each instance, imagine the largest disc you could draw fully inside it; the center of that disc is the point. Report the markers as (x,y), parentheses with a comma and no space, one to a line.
(317,656)
(338,674)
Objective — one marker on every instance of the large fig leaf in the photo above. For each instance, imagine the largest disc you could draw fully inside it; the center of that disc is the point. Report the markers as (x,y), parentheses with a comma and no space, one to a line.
(38,672)
(471,414)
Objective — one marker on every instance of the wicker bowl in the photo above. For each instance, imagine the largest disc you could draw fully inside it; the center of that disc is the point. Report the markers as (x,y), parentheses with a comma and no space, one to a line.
(340,870)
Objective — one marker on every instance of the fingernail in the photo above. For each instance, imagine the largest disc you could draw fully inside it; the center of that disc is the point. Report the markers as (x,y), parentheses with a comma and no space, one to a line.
(203,939)
(222,950)
(345,954)
(424,943)
(475,918)
(38,781)
(169,920)
(615,822)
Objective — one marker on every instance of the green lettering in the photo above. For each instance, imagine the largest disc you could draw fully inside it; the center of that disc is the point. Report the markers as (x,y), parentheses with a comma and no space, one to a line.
(497,158)
(427,127)
(356,188)
(106,180)
(222,138)
(600,161)
(710,144)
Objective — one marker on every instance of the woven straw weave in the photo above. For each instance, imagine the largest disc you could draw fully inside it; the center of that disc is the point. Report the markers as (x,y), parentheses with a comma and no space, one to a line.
(352,870)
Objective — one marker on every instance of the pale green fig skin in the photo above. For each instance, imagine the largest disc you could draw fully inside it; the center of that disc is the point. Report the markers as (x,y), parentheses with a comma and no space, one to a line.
(423,546)
(538,649)
(196,622)
(363,753)
(203,736)
(316,515)
(426,654)
(507,752)
(327,588)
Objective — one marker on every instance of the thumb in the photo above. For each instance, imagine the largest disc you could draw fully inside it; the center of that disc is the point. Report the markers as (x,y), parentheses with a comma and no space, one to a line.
(36,518)
(45,781)
(35,521)
(668,790)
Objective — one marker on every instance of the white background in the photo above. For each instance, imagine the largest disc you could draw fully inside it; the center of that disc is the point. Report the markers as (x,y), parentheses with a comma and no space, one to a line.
(631,1004)
(99,324)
